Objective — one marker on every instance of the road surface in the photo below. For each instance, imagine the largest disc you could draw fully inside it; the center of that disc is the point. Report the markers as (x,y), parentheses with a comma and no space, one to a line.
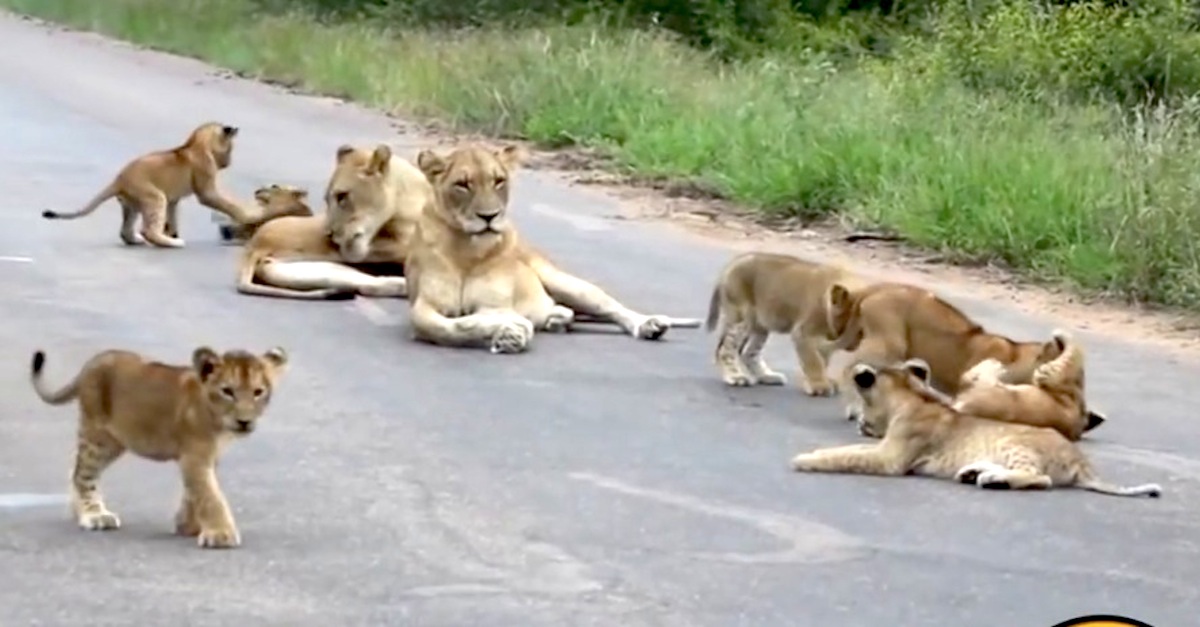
(596,480)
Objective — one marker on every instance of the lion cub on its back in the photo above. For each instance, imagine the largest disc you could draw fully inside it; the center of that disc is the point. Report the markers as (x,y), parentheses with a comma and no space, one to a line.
(761,293)
(924,435)
(162,412)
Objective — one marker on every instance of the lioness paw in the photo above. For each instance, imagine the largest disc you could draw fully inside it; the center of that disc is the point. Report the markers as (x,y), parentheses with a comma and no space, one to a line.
(652,328)
(803,462)
(218,539)
(512,336)
(559,320)
(99,521)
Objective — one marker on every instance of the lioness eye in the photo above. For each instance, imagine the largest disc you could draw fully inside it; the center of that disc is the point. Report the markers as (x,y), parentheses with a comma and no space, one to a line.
(340,197)
(227,391)
(500,181)
(463,185)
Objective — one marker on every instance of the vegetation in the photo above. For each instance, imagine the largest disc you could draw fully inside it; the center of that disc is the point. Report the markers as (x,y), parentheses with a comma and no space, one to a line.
(1057,139)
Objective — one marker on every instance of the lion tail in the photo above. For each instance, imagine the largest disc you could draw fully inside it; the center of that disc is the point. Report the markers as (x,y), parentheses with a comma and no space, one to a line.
(59,397)
(109,191)
(714,308)
(1088,480)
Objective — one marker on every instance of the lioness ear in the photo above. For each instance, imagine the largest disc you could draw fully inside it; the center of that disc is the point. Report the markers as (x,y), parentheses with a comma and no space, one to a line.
(229,131)
(205,360)
(343,150)
(864,376)
(512,155)
(276,356)
(431,164)
(380,159)
(918,368)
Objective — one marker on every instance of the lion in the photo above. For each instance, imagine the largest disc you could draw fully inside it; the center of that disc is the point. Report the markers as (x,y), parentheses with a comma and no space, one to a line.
(759,293)
(277,201)
(474,282)
(891,322)
(373,199)
(1053,399)
(162,412)
(153,184)
(927,436)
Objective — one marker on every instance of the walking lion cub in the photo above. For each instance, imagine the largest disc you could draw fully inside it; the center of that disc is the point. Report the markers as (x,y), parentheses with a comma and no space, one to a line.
(759,293)
(161,412)
(926,436)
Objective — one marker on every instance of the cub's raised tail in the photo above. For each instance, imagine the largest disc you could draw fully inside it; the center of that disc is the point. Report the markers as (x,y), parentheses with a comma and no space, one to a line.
(59,397)
(108,192)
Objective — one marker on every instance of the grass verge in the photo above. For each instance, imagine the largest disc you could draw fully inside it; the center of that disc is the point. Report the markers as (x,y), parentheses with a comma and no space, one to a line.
(1087,195)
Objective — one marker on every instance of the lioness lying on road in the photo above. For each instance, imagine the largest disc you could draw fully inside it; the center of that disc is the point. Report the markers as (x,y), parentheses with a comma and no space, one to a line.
(926,436)
(1054,398)
(162,412)
(372,200)
(473,281)
(762,293)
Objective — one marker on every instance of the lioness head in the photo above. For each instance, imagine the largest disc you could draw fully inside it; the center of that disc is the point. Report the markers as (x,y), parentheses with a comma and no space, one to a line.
(885,390)
(283,200)
(215,140)
(472,185)
(238,384)
(359,198)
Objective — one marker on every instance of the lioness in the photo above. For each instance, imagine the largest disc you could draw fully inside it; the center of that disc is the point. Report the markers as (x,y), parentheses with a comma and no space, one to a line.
(473,281)
(277,201)
(1054,398)
(760,293)
(163,412)
(153,184)
(892,322)
(372,200)
(926,436)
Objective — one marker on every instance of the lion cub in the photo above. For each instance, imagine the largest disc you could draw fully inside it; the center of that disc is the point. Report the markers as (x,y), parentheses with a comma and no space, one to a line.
(761,293)
(276,201)
(161,412)
(924,435)
(1054,398)
(153,184)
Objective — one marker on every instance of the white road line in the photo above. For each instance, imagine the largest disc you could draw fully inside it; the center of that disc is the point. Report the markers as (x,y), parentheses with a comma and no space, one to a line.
(373,312)
(16,259)
(19,499)
(805,541)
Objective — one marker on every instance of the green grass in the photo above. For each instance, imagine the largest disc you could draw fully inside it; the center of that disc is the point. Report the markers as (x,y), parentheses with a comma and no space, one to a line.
(1083,194)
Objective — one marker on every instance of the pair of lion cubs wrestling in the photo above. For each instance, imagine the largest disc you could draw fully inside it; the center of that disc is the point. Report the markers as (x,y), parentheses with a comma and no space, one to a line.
(947,398)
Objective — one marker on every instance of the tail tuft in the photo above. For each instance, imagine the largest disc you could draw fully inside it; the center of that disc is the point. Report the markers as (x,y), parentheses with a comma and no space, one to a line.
(49,214)
(39,362)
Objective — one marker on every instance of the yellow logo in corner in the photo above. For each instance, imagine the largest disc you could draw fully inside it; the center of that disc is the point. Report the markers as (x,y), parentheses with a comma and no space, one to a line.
(1103,620)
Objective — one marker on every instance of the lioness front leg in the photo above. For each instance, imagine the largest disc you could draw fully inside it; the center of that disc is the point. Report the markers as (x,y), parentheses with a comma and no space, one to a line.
(500,331)
(95,451)
(331,276)
(588,299)
(813,355)
(546,315)
(211,512)
(861,459)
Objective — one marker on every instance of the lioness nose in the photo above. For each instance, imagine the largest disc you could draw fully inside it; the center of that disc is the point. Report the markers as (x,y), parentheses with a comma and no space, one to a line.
(244,425)
(488,217)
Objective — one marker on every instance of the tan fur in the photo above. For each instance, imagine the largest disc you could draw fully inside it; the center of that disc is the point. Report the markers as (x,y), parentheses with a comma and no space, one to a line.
(757,294)
(372,200)
(1053,399)
(153,184)
(926,436)
(892,322)
(277,201)
(473,281)
(161,412)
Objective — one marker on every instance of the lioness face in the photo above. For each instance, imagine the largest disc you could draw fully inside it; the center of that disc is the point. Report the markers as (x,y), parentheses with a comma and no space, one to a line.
(472,184)
(283,200)
(878,388)
(238,384)
(358,199)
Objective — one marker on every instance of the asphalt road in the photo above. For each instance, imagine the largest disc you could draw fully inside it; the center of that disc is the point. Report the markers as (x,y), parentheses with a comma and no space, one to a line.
(596,480)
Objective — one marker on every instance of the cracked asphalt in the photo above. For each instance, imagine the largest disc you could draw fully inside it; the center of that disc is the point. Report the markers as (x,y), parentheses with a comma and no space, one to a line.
(596,480)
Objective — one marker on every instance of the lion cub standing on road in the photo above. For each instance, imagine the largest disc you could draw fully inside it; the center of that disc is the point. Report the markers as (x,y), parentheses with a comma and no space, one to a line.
(926,436)
(762,293)
(162,412)
(153,184)
(1054,398)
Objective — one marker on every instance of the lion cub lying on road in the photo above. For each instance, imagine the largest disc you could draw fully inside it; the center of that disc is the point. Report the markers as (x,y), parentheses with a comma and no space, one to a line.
(926,436)
(472,279)
(762,293)
(162,412)
(277,201)
(1054,398)
(153,184)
